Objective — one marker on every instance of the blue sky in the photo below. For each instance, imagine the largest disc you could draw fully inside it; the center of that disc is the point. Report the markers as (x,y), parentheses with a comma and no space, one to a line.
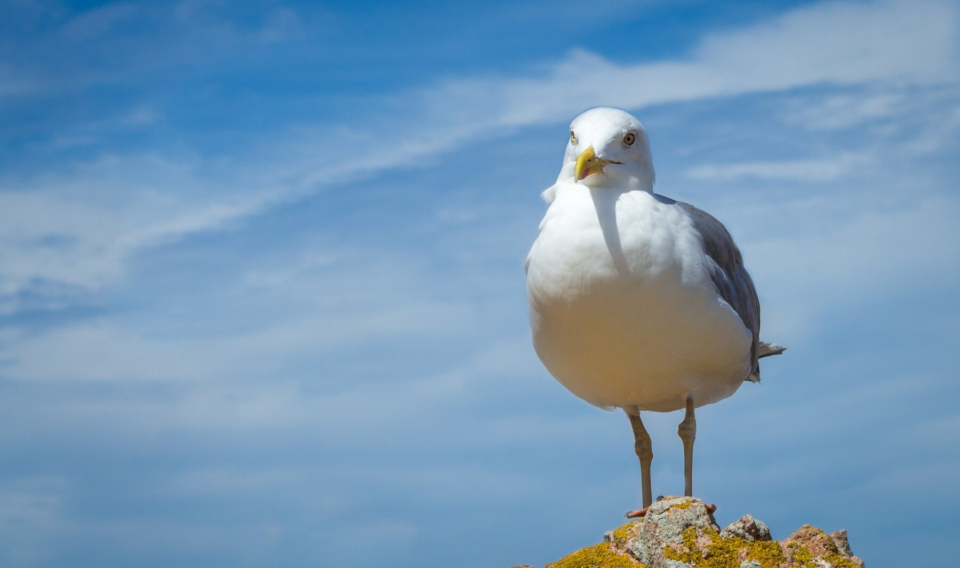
(261,289)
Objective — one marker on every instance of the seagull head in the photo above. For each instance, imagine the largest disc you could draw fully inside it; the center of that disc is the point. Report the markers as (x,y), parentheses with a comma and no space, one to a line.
(608,148)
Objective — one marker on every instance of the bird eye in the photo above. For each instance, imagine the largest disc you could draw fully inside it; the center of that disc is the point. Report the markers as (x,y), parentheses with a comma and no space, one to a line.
(630,138)
(573,137)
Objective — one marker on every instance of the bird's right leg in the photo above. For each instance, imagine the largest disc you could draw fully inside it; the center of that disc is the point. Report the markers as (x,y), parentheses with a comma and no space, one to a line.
(644,449)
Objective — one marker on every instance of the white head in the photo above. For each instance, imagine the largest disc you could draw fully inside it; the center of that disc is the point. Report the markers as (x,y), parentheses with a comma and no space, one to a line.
(608,148)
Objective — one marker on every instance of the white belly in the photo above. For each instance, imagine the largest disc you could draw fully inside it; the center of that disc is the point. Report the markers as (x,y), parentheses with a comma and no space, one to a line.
(622,310)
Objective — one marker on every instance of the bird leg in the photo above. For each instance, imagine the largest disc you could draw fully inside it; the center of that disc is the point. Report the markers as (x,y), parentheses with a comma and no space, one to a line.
(688,432)
(644,449)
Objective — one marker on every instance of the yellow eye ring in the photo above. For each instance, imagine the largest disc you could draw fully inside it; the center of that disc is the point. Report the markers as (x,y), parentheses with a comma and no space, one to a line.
(630,138)
(573,137)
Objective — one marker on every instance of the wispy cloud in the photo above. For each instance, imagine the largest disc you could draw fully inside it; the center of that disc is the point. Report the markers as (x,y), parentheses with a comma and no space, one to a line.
(840,43)
(78,228)
(816,170)
(829,43)
(847,110)
(328,325)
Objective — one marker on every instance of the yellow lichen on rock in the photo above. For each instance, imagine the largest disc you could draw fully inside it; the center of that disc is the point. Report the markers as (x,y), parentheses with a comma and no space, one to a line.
(722,552)
(601,555)
(800,555)
(620,534)
(690,552)
(725,552)
(767,554)
(682,533)
(838,561)
(810,547)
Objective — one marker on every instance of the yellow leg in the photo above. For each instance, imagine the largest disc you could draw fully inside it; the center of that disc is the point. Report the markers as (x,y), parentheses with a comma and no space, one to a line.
(644,449)
(688,433)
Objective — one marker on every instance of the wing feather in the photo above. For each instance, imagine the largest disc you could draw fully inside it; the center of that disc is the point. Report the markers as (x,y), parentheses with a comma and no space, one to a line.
(730,277)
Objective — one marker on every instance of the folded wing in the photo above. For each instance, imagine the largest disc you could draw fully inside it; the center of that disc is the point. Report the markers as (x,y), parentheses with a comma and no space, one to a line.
(730,277)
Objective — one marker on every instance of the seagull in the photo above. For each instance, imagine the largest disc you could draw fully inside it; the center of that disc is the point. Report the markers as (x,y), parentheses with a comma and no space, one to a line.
(638,301)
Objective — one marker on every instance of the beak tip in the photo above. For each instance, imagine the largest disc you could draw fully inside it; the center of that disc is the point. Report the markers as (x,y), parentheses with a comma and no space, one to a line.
(582,168)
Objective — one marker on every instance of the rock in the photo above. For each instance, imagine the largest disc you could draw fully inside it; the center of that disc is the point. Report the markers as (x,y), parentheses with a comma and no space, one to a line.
(747,528)
(668,529)
(809,541)
(843,545)
(601,555)
(679,532)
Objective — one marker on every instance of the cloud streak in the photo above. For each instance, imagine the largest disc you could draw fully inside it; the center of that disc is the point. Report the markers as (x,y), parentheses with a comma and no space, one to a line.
(833,43)
(829,43)
(822,170)
(287,341)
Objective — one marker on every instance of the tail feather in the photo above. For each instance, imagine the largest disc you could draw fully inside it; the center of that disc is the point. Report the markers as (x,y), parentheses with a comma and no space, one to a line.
(768,349)
(765,350)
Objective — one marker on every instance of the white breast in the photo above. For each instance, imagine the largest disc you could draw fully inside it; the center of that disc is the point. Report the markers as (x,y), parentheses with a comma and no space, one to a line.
(622,309)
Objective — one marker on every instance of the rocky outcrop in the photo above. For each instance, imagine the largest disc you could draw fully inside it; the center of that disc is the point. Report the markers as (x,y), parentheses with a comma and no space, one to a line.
(680,532)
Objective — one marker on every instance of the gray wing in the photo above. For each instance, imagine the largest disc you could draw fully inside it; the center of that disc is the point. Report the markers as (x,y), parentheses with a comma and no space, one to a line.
(731,279)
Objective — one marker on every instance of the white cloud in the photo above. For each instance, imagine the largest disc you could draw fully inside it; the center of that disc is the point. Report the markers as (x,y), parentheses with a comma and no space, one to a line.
(110,351)
(812,170)
(77,228)
(127,203)
(843,44)
(835,43)
(937,132)
(845,111)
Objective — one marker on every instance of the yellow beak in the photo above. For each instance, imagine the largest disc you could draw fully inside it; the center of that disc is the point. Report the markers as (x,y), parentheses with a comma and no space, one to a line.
(588,164)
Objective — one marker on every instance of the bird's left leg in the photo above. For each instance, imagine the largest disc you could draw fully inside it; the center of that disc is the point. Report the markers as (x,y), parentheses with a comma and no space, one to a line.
(688,432)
